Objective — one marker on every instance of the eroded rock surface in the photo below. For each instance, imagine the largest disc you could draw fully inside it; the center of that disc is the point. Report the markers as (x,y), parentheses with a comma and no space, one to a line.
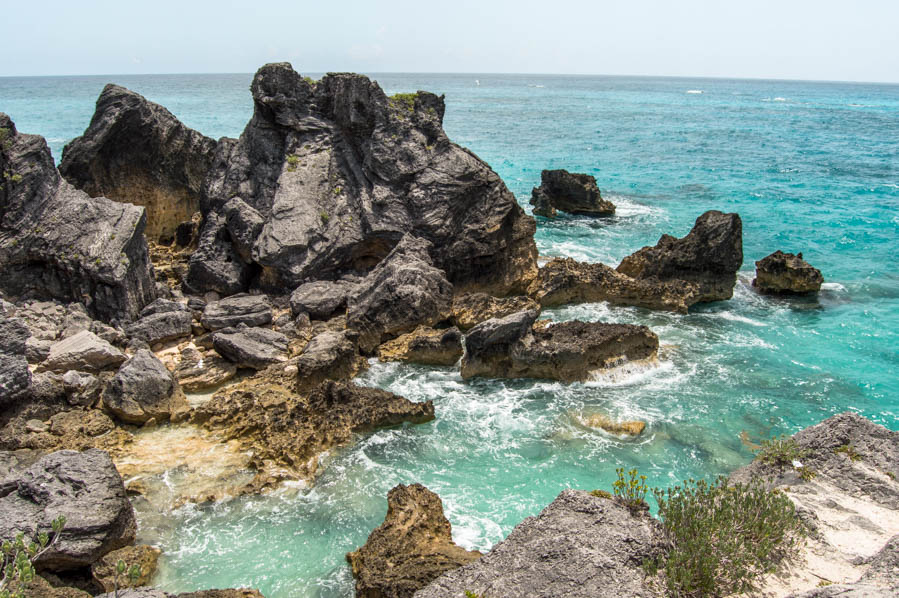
(330,355)
(143,556)
(321,299)
(787,274)
(410,549)
(247,347)
(143,389)
(252,310)
(15,377)
(424,345)
(569,192)
(85,352)
(470,309)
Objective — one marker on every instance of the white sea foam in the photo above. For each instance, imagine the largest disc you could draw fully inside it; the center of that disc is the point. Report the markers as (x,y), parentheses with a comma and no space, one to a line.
(833,286)
(629,373)
(694,91)
(728,315)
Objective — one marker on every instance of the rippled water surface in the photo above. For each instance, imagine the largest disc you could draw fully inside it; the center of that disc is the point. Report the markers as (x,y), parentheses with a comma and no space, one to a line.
(811,167)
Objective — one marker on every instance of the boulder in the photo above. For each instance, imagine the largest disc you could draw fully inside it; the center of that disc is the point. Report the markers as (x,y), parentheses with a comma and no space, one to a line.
(198,372)
(161,327)
(86,489)
(330,355)
(410,549)
(57,242)
(401,293)
(252,310)
(321,299)
(425,346)
(244,224)
(15,377)
(470,309)
(580,546)
(787,274)
(247,347)
(145,557)
(709,256)
(143,389)
(604,422)
(339,173)
(137,152)
(512,347)
(85,352)
(81,388)
(288,431)
(569,192)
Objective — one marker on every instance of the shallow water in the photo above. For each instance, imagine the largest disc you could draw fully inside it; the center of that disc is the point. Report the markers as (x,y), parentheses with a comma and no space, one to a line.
(811,167)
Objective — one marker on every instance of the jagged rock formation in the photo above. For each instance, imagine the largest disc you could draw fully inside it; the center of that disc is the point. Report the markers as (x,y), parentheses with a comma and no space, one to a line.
(580,546)
(470,309)
(15,377)
(143,389)
(410,549)
(569,192)
(785,273)
(55,241)
(86,489)
(321,299)
(709,256)
(425,346)
(329,355)
(137,152)
(338,173)
(287,432)
(247,347)
(85,352)
(160,322)
(251,310)
(512,347)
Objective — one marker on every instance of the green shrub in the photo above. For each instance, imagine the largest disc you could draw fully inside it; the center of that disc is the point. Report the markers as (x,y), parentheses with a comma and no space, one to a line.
(849,451)
(601,493)
(404,99)
(631,490)
(722,538)
(310,81)
(18,559)
(781,451)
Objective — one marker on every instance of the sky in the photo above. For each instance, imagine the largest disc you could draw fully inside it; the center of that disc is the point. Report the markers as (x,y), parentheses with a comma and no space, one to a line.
(785,39)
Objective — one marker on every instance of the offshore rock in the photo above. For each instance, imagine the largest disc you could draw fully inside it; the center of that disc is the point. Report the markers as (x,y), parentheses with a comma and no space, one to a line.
(322,299)
(57,242)
(137,152)
(247,347)
(425,346)
(15,377)
(86,489)
(339,173)
(252,310)
(85,352)
(401,293)
(470,309)
(288,431)
(580,546)
(410,549)
(709,256)
(143,389)
(512,347)
(785,273)
(569,192)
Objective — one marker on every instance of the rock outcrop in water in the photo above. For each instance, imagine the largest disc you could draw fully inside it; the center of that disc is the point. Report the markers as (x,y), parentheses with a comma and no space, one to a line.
(470,309)
(424,345)
(786,274)
(512,347)
(137,152)
(410,549)
(569,192)
(57,242)
(336,173)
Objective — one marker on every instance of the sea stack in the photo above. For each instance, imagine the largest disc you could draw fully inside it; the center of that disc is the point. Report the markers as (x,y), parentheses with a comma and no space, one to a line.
(569,192)
(786,274)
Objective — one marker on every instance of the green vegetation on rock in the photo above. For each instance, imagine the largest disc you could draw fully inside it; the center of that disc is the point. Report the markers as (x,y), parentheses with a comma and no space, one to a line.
(18,558)
(404,99)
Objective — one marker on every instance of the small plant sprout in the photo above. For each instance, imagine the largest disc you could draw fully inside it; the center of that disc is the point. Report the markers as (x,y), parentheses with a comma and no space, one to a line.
(122,569)
(18,558)
(631,490)
(324,216)
(292,161)
(849,451)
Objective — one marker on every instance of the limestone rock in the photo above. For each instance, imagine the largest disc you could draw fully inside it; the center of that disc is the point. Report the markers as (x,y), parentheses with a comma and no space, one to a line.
(86,489)
(425,346)
(330,355)
(598,420)
(235,593)
(569,192)
(197,372)
(143,389)
(410,549)
(15,377)
(470,309)
(401,293)
(247,347)
(252,310)
(85,352)
(580,546)
(136,593)
(321,299)
(137,152)
(145,557)
(244,224)
(57,242)
(785,273)
(161,327)
(512,347)
(709,256)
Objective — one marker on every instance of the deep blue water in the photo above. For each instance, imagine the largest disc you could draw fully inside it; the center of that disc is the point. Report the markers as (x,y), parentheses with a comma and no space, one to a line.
(811,167)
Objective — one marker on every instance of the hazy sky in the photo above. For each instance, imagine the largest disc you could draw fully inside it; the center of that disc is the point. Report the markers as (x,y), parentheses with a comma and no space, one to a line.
(855,40)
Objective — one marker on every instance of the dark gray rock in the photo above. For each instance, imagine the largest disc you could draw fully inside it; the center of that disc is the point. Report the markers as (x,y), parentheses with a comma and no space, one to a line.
(15,377)
(82,389)
(86,489)
(495,337)
(580,546)
(247,347)
(162,306)
(252,310)
(161,327)
(321,299)
(244,225)
(330,355)
(137,152)
(57,242)
(786,274)
(401,293)
(37,349)
(143,389)
(339,173)
(569,192)
(709,257)
(85,352)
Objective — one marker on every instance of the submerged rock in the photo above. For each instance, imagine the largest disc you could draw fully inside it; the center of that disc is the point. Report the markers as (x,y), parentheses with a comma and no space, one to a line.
(410,549)
(785,273)
(137,152)
(143,389)
(580,546)
(598,420)
(425,346)
(512,347)
(57,242)
(569,192)
(470,309)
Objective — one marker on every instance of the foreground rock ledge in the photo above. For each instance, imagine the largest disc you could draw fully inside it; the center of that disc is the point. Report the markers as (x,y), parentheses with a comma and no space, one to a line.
(410,549)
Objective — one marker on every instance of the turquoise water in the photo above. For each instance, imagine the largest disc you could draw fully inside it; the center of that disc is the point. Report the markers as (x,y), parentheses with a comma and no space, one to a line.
(811,167)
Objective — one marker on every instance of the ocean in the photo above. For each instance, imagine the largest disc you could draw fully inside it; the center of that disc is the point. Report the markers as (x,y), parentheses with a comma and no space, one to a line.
(809,166)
